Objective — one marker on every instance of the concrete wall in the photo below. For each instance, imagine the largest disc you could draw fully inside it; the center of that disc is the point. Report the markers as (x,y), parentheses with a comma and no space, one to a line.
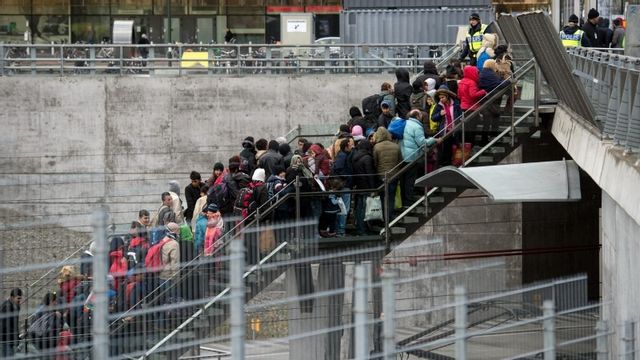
(70,144)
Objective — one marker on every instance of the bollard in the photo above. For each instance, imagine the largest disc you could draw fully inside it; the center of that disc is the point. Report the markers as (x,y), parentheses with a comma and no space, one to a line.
(549,330)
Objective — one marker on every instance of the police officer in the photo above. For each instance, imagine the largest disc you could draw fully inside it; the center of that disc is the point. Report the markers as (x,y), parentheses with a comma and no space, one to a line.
(473,42)
(572,36)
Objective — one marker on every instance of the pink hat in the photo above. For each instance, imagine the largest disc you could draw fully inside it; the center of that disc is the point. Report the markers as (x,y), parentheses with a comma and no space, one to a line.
(356,131)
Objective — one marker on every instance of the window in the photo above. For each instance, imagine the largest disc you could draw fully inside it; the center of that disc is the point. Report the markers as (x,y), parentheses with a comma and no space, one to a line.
(15,7)
(93,7)
(131,7)
(89,29)
(50,7)
(12,28)
(177,7)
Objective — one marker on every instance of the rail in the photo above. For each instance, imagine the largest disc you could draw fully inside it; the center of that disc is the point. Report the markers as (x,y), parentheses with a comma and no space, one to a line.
(193,59)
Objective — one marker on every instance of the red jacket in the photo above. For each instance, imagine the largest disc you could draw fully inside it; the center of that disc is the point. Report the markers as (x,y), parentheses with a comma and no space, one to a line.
(469,92)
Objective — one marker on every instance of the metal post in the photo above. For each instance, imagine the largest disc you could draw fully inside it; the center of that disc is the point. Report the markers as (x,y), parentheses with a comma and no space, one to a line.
(360,313)
(601,341)
(463,139)
(389,309)
(1,59)
(61,59)
(298,230)
(461,321)
(549,330)
(513,115)
(100,326)
(536,94)
(169,20)
(121,59)
(32,55)
(151,60)
(237,320)
(92,60)
(327,62)
(387,211)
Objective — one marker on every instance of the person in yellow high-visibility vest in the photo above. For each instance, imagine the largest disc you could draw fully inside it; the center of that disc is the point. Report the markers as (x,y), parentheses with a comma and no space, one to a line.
(572,36)
(473,42)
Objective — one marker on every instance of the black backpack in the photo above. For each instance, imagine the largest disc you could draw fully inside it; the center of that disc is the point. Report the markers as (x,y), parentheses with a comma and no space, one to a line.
(371,106)
(220,195)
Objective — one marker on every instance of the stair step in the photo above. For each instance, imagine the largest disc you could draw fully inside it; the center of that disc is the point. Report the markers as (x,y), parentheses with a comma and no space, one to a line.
(410,220)
(398,230)
(484,159)
(437,199)
(419,210)
(448,190)
(496,150)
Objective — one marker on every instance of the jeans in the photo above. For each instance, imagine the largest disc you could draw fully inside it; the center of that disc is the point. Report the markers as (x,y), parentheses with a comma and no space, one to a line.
(341,220)
(361,226)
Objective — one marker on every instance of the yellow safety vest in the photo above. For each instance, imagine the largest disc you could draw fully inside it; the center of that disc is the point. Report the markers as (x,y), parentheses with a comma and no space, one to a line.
(571,40)
(475,40)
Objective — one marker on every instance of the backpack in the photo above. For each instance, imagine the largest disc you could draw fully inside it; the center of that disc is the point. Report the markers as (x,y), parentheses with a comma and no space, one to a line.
(219,194)
(273,188)
(245,166)
(396,128)
(157,234)
(245,203)
(371,106)
(153,260)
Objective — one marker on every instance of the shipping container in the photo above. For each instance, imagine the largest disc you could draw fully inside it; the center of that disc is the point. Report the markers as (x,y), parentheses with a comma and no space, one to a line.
(406,26)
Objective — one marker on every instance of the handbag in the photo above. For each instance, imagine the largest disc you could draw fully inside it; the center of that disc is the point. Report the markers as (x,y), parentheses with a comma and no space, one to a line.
(373,209)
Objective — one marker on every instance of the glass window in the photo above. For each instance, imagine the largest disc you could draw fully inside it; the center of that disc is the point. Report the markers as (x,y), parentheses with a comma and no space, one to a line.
(204,6)
(131,7)
(15,7)
(177,7)
(49,28)
(50,6)
(90,29)
(245,22)
(93,7)
(245,3)
(12,28)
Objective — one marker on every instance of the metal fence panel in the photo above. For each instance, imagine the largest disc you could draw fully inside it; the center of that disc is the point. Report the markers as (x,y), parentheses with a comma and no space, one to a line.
(408,26)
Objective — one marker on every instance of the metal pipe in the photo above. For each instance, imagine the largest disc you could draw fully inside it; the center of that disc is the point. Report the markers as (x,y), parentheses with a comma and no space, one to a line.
(237,320)
(536,94)
(360,313)
(100,327)
(549,330)
(461,322)
(388,309)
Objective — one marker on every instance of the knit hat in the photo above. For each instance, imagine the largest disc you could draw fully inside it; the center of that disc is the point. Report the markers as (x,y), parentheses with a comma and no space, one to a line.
(385,104)
(248,141)
(281,140)
(258,175)
(593,13)
(474,16)
(356,130)
(173,227)
(212,207)
(354,111)
(573,18)
(218,166)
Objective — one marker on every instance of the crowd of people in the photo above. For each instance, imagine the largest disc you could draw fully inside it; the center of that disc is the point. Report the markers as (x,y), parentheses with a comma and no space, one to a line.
(594,32)
(390,131)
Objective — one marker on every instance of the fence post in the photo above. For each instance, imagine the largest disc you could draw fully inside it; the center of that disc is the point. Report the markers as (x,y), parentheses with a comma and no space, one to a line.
(463,142)
(601,341)
(389,311)
(461,323)
(92,60)
(536,94)
(151,60)
(513,114)
(1,59)
(237,320)
(549,330)
(387,211)
(100,287)
(360,313)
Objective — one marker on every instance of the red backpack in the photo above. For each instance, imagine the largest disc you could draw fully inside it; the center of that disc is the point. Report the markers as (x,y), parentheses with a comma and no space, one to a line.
(153,260)
(245,203)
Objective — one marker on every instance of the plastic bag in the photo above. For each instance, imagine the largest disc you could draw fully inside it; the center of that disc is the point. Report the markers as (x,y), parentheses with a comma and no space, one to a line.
(373,209)
(342,206)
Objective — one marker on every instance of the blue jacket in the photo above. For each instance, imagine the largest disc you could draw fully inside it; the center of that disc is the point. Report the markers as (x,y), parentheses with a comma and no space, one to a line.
(342,167)
(412,139)
(489,80)
(201,229)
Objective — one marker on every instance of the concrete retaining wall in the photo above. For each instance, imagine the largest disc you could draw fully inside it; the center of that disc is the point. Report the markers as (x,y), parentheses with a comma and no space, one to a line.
(69,144)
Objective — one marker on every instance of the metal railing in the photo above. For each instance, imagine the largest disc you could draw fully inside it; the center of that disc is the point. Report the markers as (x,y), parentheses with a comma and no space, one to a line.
(183,59)
(612,82)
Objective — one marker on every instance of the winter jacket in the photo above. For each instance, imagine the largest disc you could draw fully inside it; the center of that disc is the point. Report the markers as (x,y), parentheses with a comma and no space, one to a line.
(441,120)
(197,210)
(468,91)
(418,98)
(270,161)
(386,153)
(9,322)
(390,99)
(170,253)
(235,182)
(363,166)
(591,32)
(357,120)
(570,30)
(200,228)
(191,194)
(249,153)
(402,91)
(490,80)
(412,139)
(384,120)
(342,167)
(430,71)
(617,37)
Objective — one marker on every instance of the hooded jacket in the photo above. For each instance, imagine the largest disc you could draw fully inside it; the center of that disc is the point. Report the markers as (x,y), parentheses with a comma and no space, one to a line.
(386,153)
(469,92)
(270,161)
(412,139)
(418,98)
(402,91)
(571,29)
(342,167)
(248,153)
(363,166)
(490,80)
(591,33)
(390,99)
